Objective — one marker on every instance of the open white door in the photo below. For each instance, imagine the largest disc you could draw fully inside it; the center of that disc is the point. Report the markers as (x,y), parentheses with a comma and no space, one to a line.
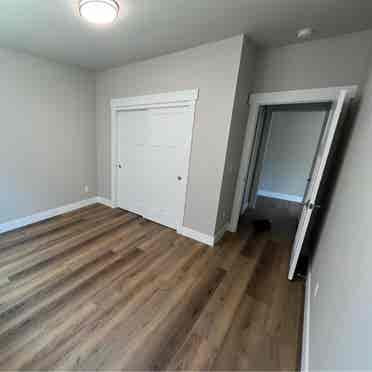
(320,162)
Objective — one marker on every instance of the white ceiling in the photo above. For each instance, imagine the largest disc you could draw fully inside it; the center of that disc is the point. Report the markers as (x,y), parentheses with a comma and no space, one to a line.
(148,28)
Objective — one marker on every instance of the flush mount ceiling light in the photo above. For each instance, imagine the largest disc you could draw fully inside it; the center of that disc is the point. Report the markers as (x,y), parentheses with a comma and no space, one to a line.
(304,33)
(99,11)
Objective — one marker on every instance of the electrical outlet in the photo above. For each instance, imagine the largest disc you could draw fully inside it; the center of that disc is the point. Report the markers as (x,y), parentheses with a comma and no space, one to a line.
(316,290)
(86,188)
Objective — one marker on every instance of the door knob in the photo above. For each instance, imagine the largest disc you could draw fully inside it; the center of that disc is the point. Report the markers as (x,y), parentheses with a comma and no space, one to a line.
(179,178)
(308,204)
(312,206)
(119,166)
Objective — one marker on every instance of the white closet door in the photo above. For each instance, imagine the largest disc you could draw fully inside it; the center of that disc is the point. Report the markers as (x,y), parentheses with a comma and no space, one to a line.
(132,134)
(168,141)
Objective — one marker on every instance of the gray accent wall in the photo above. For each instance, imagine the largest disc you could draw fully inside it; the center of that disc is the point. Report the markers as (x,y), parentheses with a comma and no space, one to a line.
(290,151)
(47,140)
(340,314)
(213,68)
(236,133)
(314,64)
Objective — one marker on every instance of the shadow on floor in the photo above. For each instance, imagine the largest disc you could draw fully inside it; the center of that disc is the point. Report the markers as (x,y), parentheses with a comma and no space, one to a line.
(283,216)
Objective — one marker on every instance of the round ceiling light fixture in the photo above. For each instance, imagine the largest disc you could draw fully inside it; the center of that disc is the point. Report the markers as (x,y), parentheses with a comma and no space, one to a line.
(99,11)
(305,33)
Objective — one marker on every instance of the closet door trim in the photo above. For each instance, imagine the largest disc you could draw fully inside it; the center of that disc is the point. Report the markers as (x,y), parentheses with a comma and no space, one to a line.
(187,98)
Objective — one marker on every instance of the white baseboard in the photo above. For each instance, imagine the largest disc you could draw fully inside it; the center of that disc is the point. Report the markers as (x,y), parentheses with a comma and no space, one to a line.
(306,326)
(198,236)
(104,201)
(37,217)
(277,195)
(204,238)
(40,216)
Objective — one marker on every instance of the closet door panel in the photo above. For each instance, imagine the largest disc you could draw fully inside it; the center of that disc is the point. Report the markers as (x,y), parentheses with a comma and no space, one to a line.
(132,132)
(165,165)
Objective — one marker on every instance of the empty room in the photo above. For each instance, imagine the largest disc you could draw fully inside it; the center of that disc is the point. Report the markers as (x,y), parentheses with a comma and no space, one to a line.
(185,185)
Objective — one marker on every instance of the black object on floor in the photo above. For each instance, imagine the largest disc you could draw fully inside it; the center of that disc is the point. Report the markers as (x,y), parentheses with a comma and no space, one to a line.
(261,226)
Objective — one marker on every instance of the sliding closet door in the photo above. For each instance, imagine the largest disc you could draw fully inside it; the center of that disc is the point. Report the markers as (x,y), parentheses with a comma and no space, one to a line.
(168,141)
(132,139)
(153,156)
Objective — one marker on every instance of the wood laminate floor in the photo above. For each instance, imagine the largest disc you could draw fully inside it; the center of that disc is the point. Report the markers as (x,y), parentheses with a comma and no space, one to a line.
(101,289)
(283,215)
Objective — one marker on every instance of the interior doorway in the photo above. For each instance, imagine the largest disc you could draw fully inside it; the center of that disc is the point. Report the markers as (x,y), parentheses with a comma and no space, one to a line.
(288,140)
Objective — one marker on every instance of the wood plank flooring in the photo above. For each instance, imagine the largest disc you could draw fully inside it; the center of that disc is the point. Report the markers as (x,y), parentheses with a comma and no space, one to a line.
(102,289)
(284,215)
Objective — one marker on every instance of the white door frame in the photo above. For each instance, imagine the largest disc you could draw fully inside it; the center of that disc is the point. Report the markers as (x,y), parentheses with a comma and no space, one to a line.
(268,99)
(185,98)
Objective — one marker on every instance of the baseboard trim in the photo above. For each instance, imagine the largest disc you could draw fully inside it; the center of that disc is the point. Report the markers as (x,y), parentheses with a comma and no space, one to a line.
(198,236)
(40,216)
(305,352)
(277,195)
(204,238)
(104,201)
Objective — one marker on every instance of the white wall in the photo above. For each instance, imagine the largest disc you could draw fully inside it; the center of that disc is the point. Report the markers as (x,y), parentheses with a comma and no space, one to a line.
(290,151)
(47,141)
(213,68)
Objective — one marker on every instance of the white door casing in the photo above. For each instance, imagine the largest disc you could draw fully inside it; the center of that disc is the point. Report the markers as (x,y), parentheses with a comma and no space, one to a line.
(157,154)
(258,161)
(337,95)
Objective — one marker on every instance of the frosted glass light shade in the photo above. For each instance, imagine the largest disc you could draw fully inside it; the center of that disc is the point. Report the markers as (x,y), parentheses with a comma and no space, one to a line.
(99,11)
